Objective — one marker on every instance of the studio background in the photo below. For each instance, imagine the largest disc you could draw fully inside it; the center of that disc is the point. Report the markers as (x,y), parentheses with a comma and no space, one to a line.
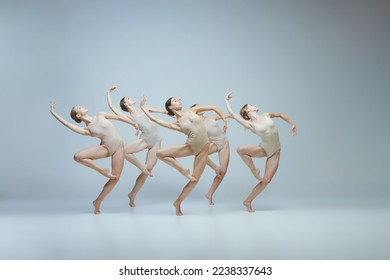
(325,64)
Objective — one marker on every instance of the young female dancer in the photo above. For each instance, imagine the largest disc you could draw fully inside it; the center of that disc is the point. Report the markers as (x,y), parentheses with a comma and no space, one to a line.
(197,144)
(111,144)
(263,126)
(149,140)
(218,143)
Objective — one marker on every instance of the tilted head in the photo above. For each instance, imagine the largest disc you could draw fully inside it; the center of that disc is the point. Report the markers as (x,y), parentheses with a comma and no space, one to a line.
(173,103)
(77,112)
(244,112)
(126,101)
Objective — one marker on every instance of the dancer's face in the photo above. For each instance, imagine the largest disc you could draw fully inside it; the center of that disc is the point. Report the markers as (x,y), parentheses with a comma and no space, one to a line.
(129,101)
(81,110)
(176,103)
(251,108)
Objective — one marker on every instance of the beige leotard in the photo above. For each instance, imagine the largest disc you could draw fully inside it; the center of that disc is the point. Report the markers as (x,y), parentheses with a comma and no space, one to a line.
(268,132)
(215,133)
(103,129)
(193,126)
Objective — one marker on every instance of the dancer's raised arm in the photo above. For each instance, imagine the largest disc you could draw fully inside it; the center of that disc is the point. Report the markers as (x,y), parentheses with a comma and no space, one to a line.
(109,101)
(217,117)
(211,108)
(115,117)
(151,109)
(75,128)
(238,118)
(121,118)
(286,119)
(163,123)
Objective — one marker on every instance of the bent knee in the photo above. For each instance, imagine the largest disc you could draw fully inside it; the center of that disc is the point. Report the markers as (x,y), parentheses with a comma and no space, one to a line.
(222,172)
(77,157)
(160,155)
(240,150)
(117,178)
(266,180)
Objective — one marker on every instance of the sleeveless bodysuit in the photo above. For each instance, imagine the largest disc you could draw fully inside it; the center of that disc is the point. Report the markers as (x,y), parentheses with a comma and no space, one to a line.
(149,130)
(215,133)
(103,129)
(269,133)
(193,126)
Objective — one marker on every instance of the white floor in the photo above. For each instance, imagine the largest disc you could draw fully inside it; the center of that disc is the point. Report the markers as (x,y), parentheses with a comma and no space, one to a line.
(281,228)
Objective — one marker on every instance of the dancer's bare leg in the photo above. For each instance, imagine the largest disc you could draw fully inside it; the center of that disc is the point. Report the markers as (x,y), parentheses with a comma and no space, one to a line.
(169,155)
(213,166)
(88,156)
(249,152)
(271,166)
(213,149)
(138,184)
(117,161)
(151,160)
(199,166)
(224,158)
(134,147)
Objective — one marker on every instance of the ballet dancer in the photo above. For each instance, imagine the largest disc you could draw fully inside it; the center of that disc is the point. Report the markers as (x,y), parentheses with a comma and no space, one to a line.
(197,144)
(263,126)
(218,144)
(111,145)
(149,140)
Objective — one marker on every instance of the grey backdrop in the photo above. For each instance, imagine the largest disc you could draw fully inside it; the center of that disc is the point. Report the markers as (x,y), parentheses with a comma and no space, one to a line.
(326,64)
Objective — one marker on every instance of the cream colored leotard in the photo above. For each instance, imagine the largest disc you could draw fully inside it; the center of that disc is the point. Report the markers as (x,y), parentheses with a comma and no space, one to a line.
(193,126)
(149,130)
(215,133)
(103,129)
(268,132)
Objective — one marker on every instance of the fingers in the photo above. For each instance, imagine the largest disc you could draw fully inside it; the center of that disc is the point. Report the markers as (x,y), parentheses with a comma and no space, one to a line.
(143,100)
(229,95)
(112,88)
(294,130)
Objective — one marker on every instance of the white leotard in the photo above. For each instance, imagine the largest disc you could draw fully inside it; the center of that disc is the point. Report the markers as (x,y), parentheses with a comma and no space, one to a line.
(267,130)
(149,130)
(215,133)
(103,129)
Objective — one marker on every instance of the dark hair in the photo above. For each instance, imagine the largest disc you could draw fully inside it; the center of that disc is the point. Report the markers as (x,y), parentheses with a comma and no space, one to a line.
(73,115)
(243,112)
(194,105)
(167,105)
(122,104)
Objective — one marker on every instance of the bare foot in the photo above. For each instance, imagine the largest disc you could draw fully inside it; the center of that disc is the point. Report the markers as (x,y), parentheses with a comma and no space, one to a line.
(248,206)
(97,207)
(187,174)
(106,172)
(132,198)
(176,204)
(210,199)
